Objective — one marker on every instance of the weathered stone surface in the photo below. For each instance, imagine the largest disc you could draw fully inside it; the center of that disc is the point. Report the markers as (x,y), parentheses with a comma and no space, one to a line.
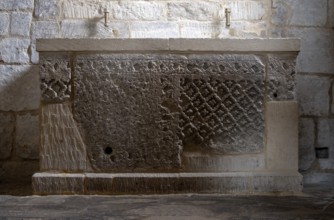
(245,10)
(16,4)
(88,29)
(332,99)
(18,170)
(14,50)
(137,10)
(4,24)
(312,94)
(62,147)
(21,23)
(19,88)
(7,135)
(54,183)
(195,29)
(282,135)
(189,102)
(245,29)
(82,9)
(141,29)
(46,9)
(282,77)
(201,11)
(300,12)
(55,76)
(326,139)
(331,13)
(306,143)
(27,136)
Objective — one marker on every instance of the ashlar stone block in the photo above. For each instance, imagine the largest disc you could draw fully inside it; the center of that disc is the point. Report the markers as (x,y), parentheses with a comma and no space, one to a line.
(16,4)
(245,10)
(201,11)
(4,24)
(27,136)
(21,22)
(13,50)
(331,13)
(326,140)
(82,9)
(306,143)
(7,126)
(46,9)
(148,29)
(313,95)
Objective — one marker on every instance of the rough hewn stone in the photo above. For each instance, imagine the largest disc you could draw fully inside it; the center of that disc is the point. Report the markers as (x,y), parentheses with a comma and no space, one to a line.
(27,136)
(203,109)
(137,10)
(326,139)
(195,29)
(201,11)
(89,29)
(21,24)
(82,9)
(46,9)
(4,24)
(19,88)
(16,4)
(300,12)
(282,77)
(62,146)
(55,76)
(141,29)
(245,29)
(306,143)
(7,135)
(18,170)
(13,50)
(245,10)
(312,94)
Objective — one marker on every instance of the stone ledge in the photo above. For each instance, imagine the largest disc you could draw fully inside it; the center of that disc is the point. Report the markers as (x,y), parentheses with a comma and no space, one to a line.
(181,45)
(162,183)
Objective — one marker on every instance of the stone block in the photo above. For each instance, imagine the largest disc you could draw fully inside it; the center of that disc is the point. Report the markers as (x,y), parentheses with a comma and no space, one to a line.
(62,147)
(27,136)
(331,13)
(18,170)
(138,10)
(282,77)
(55,76)
(326,139)
(299,12)
(46,9)
(306,143)
(245,29)
(313,95)
(7,135)
(91,29)
(332,99)
(82,9)
(21,22)
(201,11)
(13,50)
(196,29)
(245,10)
(58,183)
(16,4)
(141,29)
(282,135)
(316,61)
(19,88)
(4,24)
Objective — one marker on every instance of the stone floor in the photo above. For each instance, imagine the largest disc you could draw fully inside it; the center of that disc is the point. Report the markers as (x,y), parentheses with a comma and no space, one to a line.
(316,202)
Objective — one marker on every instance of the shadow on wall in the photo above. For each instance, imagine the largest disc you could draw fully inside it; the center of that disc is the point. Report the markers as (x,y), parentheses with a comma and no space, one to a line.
(19,124)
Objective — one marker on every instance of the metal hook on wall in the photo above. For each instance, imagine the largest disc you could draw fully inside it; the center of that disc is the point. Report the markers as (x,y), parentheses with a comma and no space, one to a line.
(228,17)
(106,17)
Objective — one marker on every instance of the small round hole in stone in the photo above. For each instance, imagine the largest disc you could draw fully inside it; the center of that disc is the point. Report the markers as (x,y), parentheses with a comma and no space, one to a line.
(275,95)
(108,150)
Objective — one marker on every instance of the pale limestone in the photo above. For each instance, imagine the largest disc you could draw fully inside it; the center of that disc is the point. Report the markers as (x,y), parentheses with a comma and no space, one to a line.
(313,95)
(306,143)
(201,11)
(27,136)
(20,24)
(4,24)
(13,50)
(7,135)
(19,88)
(16,4)
(300,12)
(326,139)
(245,10)
(282,135)
(316,61)
(160,29)
(83,9)
(245,29)
(137,10)
(91,29)
(62,147)
(196,29)
(46,9)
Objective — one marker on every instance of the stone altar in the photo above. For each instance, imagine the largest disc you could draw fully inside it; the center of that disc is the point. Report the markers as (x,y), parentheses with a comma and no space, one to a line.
(129,116)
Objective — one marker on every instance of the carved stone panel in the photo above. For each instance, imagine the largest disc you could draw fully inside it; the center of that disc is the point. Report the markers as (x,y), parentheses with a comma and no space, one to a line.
(55,75)
(139,112)
(281,77)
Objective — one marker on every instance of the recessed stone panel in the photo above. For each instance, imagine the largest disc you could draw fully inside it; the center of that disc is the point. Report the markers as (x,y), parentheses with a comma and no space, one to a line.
(137,112)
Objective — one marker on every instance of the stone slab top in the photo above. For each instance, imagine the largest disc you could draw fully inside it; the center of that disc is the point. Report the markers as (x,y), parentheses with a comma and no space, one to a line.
(177,44)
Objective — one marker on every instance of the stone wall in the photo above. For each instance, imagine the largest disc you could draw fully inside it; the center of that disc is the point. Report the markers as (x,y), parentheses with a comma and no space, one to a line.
(23,21)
